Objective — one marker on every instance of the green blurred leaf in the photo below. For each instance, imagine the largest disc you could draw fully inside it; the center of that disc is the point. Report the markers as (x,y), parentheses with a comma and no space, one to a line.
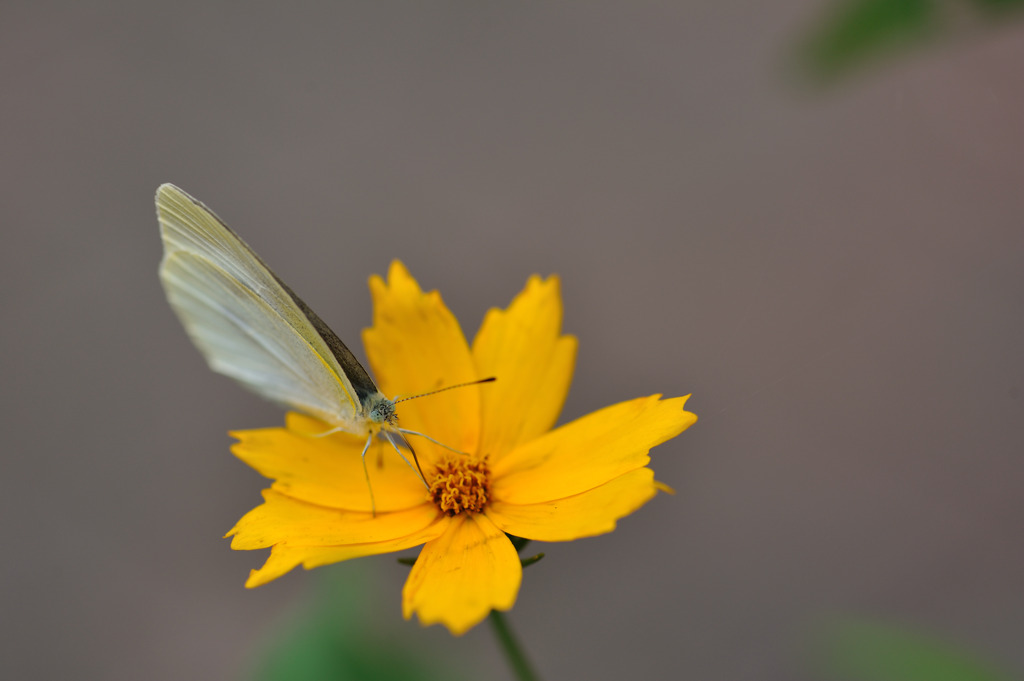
(869,651)
(338,638)
(857,30)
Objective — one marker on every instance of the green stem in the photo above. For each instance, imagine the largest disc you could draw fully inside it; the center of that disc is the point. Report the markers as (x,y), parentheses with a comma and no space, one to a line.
(513,652)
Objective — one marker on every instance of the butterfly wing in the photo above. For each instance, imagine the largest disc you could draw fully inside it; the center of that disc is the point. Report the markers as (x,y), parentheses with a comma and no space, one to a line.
(247,323)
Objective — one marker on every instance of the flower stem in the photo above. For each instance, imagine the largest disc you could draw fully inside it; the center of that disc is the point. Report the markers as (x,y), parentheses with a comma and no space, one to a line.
(513,652)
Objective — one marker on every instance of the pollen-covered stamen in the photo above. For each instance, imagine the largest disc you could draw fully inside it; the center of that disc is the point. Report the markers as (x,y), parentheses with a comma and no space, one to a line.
(461,484)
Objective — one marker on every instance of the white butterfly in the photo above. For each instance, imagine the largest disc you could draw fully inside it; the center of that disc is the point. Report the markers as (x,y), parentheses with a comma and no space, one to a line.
(250,326)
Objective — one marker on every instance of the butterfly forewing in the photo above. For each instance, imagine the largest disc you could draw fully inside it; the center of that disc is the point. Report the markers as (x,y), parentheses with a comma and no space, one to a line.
(249,325)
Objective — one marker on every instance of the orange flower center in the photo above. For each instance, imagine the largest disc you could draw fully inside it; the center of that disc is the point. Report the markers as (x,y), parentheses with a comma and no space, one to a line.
(461,484)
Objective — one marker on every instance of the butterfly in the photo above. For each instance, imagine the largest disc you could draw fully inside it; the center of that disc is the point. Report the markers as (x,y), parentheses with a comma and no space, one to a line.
(251,327)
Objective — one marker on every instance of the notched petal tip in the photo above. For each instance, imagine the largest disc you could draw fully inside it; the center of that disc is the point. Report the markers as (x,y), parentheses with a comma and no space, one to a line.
(398,271)
(239,527)
(662,487)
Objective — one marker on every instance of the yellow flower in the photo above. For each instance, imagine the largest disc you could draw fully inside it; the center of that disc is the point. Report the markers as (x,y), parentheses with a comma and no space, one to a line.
(518,476)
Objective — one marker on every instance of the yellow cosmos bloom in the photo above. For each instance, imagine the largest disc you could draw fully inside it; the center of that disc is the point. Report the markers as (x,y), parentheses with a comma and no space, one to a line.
(518,476)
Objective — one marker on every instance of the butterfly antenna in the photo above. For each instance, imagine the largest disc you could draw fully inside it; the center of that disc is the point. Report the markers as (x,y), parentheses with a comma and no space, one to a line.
(401,432)
(448,387)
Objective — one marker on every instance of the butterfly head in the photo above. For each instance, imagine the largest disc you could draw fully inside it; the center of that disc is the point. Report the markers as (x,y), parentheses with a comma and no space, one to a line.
(381,410)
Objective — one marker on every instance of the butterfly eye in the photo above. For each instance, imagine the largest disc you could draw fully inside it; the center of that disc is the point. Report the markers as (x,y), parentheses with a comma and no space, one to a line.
(383,411)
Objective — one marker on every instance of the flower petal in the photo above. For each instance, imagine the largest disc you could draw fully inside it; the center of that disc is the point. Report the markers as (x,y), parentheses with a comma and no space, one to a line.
(284,557)
(328,470)
(416,345)
(523,347)
(462,575)
(589,451)
(281,519)
(583,515)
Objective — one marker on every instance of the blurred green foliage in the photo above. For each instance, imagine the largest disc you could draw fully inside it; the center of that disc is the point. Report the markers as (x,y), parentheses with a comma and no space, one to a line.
(339,637)
(858,29)
(870,651)
(854,33)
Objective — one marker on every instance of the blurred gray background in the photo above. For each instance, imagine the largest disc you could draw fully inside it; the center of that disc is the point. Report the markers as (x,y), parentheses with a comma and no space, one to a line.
(836,275)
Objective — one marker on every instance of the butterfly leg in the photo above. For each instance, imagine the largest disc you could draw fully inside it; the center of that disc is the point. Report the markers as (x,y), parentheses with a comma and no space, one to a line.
(366,474)
(325,433)
(427,437)
(415,469)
